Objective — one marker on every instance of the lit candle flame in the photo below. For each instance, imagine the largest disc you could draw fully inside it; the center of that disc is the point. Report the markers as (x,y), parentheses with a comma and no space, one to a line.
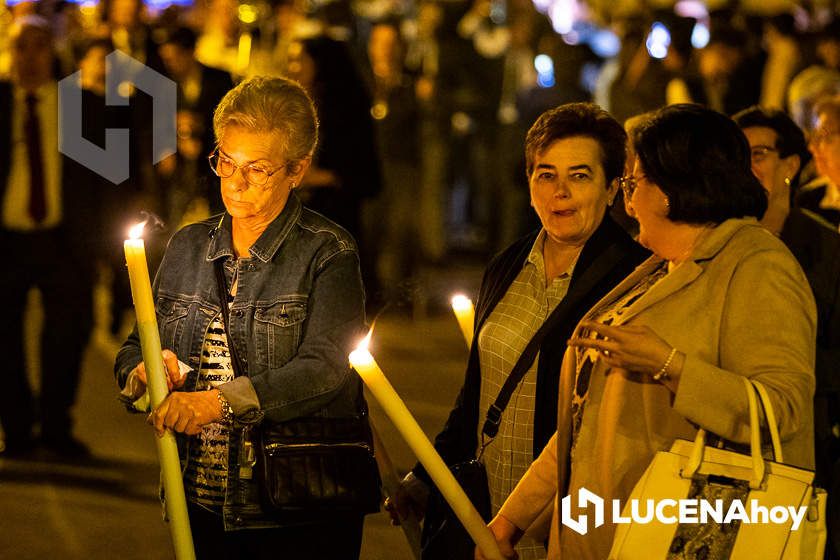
(361,355)
(460,302)
(136,230)
(365,343)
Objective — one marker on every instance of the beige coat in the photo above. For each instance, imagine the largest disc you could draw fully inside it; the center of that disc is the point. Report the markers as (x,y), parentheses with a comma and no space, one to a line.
(741,306)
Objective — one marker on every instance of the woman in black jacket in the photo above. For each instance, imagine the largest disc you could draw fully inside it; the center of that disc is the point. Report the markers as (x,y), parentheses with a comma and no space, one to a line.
(575,155)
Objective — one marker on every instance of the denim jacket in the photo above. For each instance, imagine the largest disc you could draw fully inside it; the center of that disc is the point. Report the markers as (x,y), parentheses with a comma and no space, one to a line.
(297,313)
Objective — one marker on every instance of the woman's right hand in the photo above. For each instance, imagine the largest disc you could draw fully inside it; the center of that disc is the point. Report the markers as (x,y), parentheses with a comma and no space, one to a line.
(507,535)
(174,379)
(411,498)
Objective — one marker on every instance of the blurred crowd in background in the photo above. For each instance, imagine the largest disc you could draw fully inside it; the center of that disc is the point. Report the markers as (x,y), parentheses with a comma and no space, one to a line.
(424,105)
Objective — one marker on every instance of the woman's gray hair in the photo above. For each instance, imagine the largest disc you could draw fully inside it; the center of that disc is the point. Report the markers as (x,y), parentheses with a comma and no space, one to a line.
(271,105)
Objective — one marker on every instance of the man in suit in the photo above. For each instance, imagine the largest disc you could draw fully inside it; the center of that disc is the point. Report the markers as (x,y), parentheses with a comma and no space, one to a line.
(48,232)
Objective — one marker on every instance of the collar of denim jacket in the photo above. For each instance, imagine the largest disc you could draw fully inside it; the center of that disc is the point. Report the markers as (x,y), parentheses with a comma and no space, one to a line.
(265,247)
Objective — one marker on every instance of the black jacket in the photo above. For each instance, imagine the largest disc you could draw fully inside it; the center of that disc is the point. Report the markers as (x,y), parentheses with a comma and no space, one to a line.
(607,257)
(81,188)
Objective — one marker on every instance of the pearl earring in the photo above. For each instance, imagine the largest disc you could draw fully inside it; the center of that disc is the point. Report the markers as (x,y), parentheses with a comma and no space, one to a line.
(293,185)
(787,181)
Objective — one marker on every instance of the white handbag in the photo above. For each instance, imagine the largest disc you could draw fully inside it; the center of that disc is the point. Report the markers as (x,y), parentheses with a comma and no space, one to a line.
(694,470)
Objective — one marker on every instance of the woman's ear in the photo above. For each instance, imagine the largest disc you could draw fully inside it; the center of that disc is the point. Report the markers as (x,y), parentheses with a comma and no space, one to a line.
(790,165)
(299,169)
(612,190)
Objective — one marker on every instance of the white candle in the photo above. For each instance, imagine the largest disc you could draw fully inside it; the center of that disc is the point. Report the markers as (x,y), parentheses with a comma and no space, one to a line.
(464,311)
(395,408)
(170,465)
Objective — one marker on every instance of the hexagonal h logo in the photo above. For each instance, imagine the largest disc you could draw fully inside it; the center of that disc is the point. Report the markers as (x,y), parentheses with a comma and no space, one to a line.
(112,161)
(581,525)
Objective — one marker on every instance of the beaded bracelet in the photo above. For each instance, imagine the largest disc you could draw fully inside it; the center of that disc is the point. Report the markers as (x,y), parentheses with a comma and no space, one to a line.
(662,374)
(227,411)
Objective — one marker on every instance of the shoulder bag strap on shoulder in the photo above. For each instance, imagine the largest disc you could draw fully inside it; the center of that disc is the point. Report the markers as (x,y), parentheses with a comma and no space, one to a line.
(223,296)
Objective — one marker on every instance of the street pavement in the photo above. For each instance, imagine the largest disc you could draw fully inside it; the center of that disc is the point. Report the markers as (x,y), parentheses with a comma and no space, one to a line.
(108,508)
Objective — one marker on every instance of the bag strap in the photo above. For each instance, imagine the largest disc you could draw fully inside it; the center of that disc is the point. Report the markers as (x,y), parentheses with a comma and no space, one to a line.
(494,413)
(589,277)
(770,416)
(697,453)
(223,297)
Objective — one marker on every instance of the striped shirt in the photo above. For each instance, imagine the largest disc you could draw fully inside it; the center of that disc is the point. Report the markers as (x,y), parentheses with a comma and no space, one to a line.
(206,475)
(502,339)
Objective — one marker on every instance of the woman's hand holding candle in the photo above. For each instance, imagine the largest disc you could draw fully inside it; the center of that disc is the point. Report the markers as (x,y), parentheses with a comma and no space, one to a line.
(186,412)
(507,535)
(174,378)
(363,362)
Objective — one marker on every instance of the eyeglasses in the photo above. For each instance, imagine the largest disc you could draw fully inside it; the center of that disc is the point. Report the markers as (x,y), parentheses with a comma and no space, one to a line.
(628,184)
(759,153)
(821,135)
(254,174)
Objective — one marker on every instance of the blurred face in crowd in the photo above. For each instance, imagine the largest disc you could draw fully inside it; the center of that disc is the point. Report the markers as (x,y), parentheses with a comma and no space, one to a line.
(92,66)
(287,16)
(190,133)
(177,59)
(384,50)
(770,169)
(825,145)
(718,62)
(124,13)
(301,67)
(569,189)
(828,51)
(650,207)
(32,57)
(256,154)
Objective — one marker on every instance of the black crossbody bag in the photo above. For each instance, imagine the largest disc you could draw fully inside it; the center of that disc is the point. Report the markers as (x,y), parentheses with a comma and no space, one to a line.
(444,537)
(313,465)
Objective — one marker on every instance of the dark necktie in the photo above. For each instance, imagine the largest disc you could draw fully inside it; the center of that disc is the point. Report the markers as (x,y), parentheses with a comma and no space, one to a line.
(32,130)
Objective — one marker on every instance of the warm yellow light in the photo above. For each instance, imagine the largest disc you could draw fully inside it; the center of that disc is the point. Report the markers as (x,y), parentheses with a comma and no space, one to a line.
(361,355)
(247,13)
(136,231)
(460,302)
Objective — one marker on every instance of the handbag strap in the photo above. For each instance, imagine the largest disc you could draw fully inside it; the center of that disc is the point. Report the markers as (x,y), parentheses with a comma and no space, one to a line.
(759,467)
(589,277)
(223,298)
(494,413)
(770,416)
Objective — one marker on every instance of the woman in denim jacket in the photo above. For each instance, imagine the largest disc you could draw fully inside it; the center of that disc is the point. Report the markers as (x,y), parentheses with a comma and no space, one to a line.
(296,308)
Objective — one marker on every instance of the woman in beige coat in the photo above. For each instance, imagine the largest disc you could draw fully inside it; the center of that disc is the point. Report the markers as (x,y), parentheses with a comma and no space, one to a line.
(665,351)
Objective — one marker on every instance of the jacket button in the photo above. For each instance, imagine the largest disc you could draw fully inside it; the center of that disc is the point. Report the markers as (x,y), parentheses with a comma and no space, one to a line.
(237,520)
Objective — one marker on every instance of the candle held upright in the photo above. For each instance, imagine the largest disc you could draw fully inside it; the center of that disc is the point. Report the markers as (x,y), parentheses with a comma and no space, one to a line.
(144,308)
(464,311)
(364,363)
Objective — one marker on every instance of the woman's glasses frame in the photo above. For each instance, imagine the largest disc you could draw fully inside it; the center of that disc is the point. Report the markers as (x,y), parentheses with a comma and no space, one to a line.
(254,174)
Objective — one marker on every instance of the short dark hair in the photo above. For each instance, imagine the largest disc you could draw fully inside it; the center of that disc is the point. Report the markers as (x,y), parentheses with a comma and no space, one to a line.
(700,159)
(579,119)
(790,140)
